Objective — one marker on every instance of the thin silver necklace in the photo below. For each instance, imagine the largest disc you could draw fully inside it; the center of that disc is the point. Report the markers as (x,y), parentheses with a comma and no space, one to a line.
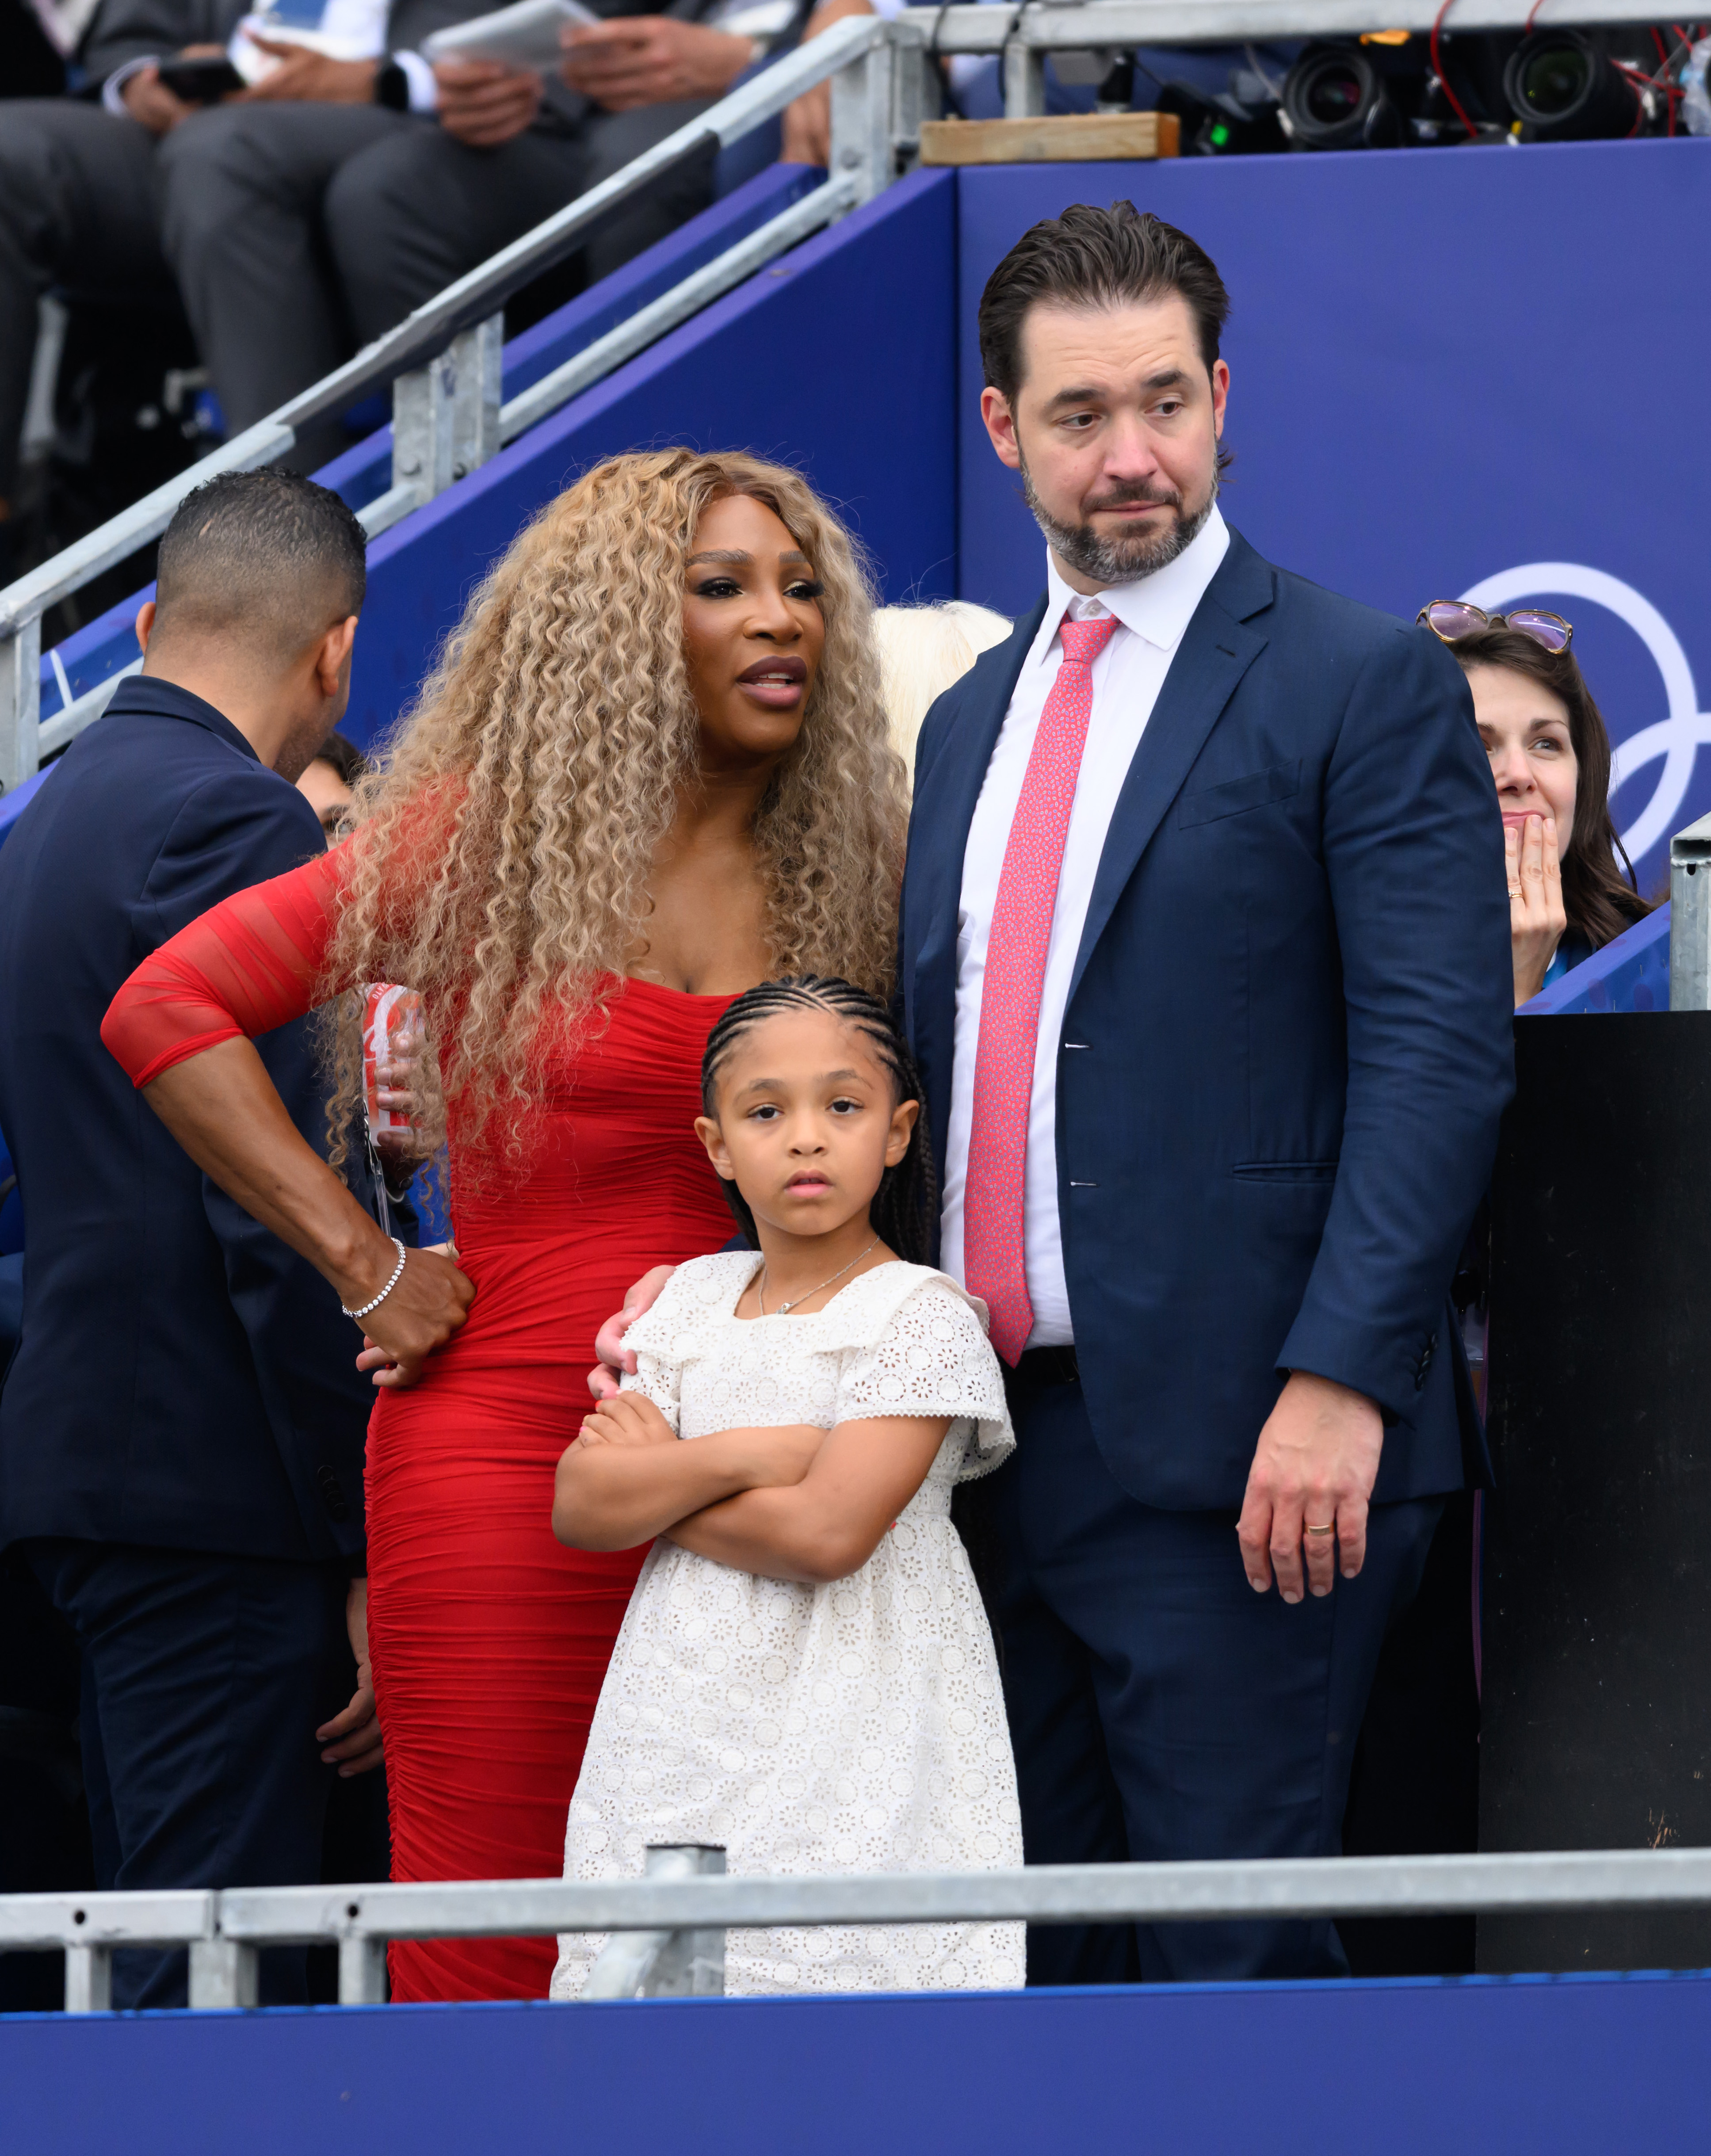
(784,1309)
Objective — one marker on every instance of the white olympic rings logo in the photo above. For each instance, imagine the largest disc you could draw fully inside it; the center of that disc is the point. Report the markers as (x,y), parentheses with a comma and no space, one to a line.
(1677,739)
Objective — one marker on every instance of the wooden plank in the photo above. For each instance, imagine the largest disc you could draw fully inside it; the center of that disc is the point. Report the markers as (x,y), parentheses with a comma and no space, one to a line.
(1075,138)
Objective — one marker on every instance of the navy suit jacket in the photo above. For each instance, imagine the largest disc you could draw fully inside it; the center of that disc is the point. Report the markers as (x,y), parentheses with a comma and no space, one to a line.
(1288,1040)
(184,1379)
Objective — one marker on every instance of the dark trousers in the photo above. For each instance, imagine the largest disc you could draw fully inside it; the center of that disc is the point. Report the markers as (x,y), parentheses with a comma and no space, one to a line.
(299,232)
(204,1679)
(77,210)
(1159,1708)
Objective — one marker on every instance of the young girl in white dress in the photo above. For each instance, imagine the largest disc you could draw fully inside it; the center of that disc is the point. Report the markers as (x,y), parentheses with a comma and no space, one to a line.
(805,1674)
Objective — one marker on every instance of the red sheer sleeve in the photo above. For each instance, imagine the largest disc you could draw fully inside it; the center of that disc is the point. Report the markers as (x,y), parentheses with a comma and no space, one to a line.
(247,965)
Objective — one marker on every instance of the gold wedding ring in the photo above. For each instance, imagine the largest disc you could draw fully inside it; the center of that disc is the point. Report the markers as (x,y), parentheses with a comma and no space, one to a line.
(1329,1528)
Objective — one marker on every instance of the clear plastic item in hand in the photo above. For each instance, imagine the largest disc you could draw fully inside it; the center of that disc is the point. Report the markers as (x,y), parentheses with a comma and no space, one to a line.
(392,1032)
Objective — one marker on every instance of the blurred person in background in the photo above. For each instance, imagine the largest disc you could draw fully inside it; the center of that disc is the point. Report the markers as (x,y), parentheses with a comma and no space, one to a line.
(1572,887)
(921,650)
(76,201)
(1415,1787)
(306,214)
(309,216)
(328,780)
(182,1431)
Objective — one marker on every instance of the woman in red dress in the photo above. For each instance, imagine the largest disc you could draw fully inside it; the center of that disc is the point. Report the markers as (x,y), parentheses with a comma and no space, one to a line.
(650,771)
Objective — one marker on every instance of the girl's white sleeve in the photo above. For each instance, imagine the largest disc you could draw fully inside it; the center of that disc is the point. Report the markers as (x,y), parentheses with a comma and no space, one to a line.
(933,1358)
(659,1378)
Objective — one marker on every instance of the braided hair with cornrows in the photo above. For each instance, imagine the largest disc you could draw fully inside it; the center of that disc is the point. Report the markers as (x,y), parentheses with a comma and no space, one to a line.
(902,1211)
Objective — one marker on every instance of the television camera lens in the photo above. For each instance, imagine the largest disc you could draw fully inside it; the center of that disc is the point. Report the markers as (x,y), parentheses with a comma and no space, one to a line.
(1335,98)
(1553,83)
(1563,87)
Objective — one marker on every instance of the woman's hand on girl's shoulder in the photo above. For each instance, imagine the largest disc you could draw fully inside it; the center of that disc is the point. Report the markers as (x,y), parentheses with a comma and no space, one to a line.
(615,1359)
(627,1419)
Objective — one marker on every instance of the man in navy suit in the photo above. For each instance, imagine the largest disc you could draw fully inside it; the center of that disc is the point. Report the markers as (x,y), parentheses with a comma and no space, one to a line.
(1205,957)
(181,1432)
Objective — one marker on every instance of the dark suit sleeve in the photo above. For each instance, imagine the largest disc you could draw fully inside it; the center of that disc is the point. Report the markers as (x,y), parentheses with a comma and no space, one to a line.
(237,830)
(138,29)
(1414,853)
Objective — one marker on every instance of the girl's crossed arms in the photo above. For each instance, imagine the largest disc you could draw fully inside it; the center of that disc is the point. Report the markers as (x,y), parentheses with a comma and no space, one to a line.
(793,1502)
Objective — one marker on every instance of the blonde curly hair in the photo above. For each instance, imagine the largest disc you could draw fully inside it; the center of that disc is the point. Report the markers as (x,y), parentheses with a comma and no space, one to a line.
(500,857)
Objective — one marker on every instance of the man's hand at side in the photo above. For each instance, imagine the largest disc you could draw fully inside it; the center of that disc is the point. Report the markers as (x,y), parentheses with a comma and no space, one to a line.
(635,60)
(1316,1462)
(351,1739)
(483,103)
(615,1359)
(306,78)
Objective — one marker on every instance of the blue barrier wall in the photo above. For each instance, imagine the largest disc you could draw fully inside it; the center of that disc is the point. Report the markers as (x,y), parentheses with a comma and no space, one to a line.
(1478,2067)
(1447,369)
(1631,973)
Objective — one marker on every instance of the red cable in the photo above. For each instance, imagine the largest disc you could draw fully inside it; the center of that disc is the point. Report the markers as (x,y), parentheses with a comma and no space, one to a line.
(1443,80)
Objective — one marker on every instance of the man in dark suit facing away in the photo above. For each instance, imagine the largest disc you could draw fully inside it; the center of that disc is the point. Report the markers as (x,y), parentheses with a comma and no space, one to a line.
(181,1432)
(1204,957)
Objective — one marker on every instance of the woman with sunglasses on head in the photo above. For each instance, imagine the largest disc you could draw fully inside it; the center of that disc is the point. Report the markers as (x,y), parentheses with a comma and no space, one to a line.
(1572,887)
(1415,1782)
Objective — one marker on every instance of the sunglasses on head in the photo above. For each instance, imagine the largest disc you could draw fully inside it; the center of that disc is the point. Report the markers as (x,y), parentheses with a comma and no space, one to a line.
(1452,619)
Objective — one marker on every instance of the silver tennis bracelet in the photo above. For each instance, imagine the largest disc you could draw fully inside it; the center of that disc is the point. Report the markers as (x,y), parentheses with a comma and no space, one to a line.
(398,1273)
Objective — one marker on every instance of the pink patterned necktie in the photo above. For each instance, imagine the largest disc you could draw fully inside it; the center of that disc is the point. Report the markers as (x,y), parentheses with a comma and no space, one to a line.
(1016,946)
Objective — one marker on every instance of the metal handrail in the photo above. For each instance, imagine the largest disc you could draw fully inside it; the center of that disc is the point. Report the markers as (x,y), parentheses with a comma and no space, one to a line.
(1045,27)
(443,361)
(1022,36)
(225,1929)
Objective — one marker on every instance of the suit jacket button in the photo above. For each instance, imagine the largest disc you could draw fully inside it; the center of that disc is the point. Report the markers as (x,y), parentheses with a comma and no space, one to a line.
(332,1496)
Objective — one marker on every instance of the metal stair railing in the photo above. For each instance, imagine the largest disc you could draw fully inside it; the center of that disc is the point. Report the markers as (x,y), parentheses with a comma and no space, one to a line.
(443,361)
(683,1908)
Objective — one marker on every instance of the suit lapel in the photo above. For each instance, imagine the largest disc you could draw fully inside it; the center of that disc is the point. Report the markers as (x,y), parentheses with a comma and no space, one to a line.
(945,797)
(1217,648)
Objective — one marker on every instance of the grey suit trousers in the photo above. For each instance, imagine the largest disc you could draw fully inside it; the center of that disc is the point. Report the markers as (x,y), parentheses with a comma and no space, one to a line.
(76,191)
(298,232)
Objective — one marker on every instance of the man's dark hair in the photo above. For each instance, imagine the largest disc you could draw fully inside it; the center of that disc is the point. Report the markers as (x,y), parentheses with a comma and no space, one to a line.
(265,554)
(1095,257)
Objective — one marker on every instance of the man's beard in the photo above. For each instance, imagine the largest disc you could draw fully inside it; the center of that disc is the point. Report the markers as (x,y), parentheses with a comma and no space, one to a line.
(1117,561)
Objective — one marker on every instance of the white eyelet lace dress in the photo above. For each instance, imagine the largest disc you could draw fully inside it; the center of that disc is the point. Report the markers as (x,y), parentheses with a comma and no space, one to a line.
(856,1727)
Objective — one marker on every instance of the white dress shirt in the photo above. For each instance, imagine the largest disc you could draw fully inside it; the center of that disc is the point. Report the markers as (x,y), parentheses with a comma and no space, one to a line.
(1152,615)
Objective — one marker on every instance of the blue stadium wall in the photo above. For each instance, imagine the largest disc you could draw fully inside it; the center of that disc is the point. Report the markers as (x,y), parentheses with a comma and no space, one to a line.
(1516,2067)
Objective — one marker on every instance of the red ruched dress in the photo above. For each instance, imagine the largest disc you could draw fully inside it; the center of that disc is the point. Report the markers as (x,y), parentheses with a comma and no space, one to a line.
(489,1639)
